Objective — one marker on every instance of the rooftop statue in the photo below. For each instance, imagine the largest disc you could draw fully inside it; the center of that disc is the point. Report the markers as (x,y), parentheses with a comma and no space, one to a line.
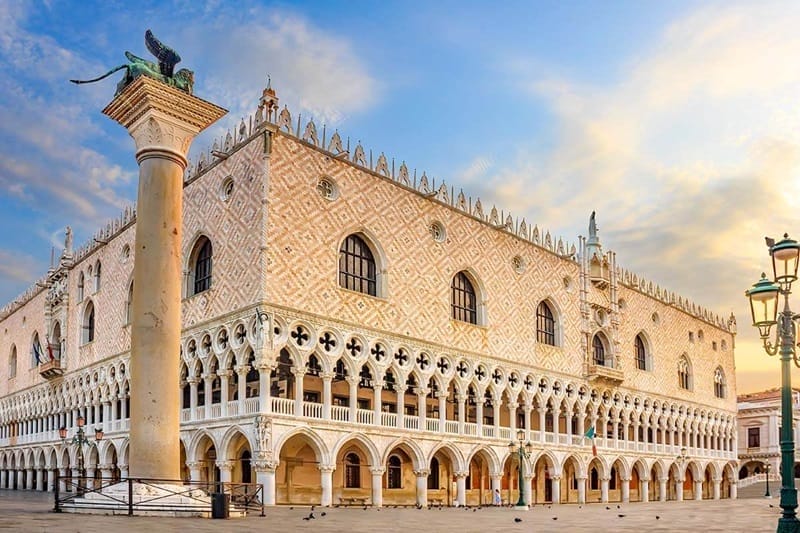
(164,71)
(592,227)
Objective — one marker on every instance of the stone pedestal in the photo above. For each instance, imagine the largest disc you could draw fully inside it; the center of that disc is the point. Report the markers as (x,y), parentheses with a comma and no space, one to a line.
(163,121)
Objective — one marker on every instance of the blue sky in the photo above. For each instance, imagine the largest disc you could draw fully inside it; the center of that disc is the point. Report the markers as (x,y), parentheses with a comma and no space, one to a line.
(672,119)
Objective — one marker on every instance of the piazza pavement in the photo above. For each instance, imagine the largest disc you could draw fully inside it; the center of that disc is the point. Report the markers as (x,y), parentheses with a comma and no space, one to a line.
(32,511)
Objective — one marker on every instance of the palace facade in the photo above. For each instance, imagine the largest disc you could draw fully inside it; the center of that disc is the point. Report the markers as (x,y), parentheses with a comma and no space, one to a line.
(353,333)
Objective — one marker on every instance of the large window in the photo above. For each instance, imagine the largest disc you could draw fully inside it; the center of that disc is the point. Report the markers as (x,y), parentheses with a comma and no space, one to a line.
(641,353)
(394,479)
(201,266)
(80,286)
(357,270)
(87,333)
(129,304)
(545,325)
(684,373)
(97,269)
(719,383)
(352,471)
(599,350)
(753,437)
(433,477)
(463,303)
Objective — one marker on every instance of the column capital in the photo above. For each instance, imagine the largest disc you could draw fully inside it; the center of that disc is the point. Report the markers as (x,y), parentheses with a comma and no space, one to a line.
(513,405)
(326,469)
(225,465)
(194,465)
(422,473)
(264,465)
(377,471)
(625,480)
(461,474)
(421,391)
(579,478)
(377,386)
(161,118)
(224,373)
(327,375)
(298,372)
(242,370)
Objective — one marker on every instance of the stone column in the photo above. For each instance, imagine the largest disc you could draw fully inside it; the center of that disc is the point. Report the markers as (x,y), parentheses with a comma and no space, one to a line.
(51,479)
(123,471)
(192,397)
(241,383)
(462,412)
(265,475)
(496,401)
(422,408)
(90,478)
(422,486)
(581,490)
(662,489)
(528,408)
(461,488)
(20,480)
(527,488)
(698,489)
(734,490)
(626,490)
(401,405)
(479,415)
(224,378)
(644,492)
(225,469)
(62,484)
(163,122)
(327,378)
(377,486)
(3,479)
(496,479)
(105,472)
(442,395)
(264,389)
(326,482)
(377,405)
(299,374)
(604,489)
(542,425)
(679,490)
(555,482)
(717,482)
(353,382)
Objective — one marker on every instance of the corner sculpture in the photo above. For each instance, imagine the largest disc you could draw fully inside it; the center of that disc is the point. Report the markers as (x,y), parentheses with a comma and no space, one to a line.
(163,72)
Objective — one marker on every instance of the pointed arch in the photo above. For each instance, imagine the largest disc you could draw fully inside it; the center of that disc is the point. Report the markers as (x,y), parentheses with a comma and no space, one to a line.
(410,447)
(199,266)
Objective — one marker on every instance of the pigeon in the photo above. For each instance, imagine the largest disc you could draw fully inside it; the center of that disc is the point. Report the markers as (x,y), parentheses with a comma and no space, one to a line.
(312,508)
(555,518)
(323,513)
(306,518)
(474,510)
(621,515)
(617,506)
(580,507)
(518,520)
(365,507)
(608,508)
(771,505)
(658,517)
(311,516)
(291,508)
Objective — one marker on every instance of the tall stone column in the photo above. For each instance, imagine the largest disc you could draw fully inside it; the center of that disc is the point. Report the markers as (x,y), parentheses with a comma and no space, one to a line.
(698,489)
(461,488)
(496,484)
(734,490)
(644,495)
(581,490)
(194,471)
(422,486)
(51,479)
(679,490)
(326,482)
(377,486)
(604,489)
(626,490)
(717,483)
(265,475)
(163,121)
(662,489)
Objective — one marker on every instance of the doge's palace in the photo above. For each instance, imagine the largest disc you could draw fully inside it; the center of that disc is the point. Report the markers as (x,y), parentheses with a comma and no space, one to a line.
(355,333)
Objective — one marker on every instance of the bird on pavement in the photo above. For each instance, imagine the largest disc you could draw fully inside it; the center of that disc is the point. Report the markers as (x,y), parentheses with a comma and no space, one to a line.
(555,518)
(621,515)
(518,520)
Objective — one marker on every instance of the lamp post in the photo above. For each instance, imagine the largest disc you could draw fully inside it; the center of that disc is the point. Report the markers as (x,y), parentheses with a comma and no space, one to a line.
(764,295)
(79,439)
(523,451)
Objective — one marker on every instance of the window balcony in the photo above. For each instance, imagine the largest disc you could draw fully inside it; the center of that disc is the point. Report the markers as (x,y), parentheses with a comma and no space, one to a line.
(51,369)
(606,373)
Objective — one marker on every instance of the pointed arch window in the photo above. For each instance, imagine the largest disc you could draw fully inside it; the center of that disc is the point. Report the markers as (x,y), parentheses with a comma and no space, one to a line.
(129,304)
(56,341)
(87,328)
(684,373)
(463,302)
(36,350)
(641,353)
(394,473)
(599,351)
(201,266)
(80,286)
(97,269)
(433,477)
(352,471)
(357,270)
(719,383)
(12,362)
(545,325)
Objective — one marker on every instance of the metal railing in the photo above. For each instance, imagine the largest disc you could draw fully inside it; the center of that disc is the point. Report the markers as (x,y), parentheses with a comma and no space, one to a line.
(118,495)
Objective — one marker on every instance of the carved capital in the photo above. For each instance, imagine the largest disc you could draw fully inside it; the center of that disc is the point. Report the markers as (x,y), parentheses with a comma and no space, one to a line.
(193,465)
(461,474)
(162,120)
(422,473)
(326,469)
(225,465)
(378,471)
(265,465)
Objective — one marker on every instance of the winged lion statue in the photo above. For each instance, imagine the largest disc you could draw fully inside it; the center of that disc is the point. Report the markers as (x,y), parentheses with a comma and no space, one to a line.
(164,71)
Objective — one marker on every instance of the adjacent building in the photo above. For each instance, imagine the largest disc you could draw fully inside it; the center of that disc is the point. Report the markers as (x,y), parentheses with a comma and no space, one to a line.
(759,422)
(355,333)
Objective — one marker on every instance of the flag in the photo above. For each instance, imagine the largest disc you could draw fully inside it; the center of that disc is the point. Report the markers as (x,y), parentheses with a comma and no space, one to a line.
(37,352)
(590,435)
(49,348)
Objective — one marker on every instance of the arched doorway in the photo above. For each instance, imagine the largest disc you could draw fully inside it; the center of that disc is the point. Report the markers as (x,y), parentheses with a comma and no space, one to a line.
(352,479)
(569,480)
(399,481)
(440,485)
(478,482)
(593,481)
(297,478)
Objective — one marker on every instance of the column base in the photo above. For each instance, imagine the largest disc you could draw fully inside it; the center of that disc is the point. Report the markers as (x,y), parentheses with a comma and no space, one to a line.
(521,508)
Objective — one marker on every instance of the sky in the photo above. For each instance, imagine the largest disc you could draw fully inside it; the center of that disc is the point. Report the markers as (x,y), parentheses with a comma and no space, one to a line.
(677,122)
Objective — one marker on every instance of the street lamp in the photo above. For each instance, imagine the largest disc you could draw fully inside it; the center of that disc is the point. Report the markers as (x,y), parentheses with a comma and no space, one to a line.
(80,439)
(764,295)
(766,472)
(523,451)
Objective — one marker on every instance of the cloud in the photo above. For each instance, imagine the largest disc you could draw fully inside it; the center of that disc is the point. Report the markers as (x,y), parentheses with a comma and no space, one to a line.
(315,72)
(20,268)
(690,155)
